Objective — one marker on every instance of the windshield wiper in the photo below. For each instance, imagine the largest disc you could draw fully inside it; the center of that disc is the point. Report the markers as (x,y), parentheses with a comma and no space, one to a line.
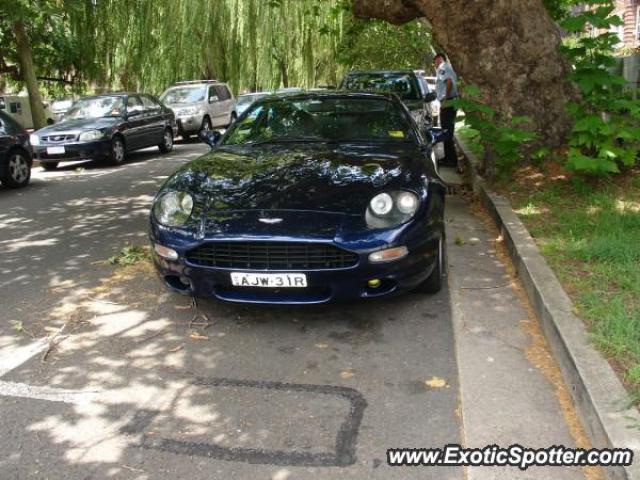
(288,140)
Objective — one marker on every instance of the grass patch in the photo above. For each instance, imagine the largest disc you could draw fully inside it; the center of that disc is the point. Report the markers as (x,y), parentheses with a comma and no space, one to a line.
(589,232)
(130,255)
(590,235)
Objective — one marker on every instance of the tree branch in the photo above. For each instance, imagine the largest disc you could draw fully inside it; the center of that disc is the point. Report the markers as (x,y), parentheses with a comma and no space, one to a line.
(393,11)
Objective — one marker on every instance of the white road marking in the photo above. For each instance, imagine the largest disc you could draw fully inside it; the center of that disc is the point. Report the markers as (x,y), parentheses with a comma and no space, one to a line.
(14,358)
(22,390)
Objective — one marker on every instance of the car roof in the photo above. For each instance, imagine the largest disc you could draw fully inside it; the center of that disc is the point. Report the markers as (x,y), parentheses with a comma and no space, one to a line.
(333,94)
(411,72)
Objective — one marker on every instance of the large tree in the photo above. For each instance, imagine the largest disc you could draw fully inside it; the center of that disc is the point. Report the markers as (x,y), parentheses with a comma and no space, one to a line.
(507,48)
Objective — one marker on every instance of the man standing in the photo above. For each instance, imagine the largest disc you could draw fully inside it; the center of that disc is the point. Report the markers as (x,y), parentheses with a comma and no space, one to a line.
(447,90)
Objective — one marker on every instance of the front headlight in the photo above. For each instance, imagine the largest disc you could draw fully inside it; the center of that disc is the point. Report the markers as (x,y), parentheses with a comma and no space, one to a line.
(390,209)
(90,136)
(34,139)
(173,209)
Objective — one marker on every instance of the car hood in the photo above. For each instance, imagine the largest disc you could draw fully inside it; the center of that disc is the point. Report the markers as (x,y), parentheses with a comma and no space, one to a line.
(80,124)
(183,104)
(319,177)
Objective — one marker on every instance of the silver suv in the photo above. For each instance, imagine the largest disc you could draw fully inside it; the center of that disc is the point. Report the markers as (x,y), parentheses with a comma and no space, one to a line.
(200,105)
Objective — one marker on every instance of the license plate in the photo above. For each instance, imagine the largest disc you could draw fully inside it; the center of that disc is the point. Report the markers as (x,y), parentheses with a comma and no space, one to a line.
(269,280)
(55,150)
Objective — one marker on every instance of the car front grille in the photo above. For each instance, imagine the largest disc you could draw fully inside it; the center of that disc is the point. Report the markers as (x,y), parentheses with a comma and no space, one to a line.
(271,256)
(59,138)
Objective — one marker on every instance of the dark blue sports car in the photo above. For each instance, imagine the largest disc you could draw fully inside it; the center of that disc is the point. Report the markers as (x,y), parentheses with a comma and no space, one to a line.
(306,199)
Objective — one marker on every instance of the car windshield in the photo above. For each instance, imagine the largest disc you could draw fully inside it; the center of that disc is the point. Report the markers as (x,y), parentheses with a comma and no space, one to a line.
(61,104)
(244,100)
(97,107)
(402,84)
(335,119)
(183,95)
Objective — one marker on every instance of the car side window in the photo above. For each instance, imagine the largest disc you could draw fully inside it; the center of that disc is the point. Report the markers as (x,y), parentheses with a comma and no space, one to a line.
(223,94)
(149,104)
(9,126)
(134,104)
(213,93)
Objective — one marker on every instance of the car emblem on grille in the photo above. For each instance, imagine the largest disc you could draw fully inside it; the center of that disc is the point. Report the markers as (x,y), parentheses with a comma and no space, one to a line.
(270,221)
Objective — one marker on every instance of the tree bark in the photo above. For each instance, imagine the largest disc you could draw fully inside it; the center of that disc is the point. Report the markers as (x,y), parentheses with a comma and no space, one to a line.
(29,75)
(507,48)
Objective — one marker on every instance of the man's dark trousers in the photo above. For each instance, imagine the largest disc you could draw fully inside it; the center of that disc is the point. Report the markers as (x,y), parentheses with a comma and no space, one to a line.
(448,122)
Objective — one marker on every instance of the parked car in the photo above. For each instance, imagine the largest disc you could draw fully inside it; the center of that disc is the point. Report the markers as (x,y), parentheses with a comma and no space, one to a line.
(18,107)
(200,105)
(403,83)
(106,127)
(61,107)
(245,100)
(306,199)
(15,153)
(290,90)
(427,88)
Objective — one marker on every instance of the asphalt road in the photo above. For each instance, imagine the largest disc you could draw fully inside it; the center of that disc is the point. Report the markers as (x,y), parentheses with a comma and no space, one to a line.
(142,384)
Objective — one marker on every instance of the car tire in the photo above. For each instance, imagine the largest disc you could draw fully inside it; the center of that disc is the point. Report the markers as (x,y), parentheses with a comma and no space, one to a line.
(50,166)
(167,141)
(206,125)
(17,171)
(435,281)
(234,117)
(117,151)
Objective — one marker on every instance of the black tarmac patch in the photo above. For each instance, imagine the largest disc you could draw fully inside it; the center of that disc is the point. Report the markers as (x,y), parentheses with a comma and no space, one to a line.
(345,443)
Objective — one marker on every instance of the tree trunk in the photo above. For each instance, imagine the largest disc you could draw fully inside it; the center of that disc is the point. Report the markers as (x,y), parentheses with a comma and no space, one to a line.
(29,75)
(507,48)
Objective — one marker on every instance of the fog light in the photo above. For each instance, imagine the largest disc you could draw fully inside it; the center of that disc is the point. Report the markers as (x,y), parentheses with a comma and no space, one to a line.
(388,255)
(165,252)
(374,283)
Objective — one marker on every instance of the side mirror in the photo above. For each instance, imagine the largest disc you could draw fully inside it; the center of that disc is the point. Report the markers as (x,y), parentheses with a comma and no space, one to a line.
(213,98)
(437,135)
(210,137)
(430,97)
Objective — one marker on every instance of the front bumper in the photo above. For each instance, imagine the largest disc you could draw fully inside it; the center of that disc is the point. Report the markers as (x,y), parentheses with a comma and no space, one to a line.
(324,286)
(189,123)
(73,151)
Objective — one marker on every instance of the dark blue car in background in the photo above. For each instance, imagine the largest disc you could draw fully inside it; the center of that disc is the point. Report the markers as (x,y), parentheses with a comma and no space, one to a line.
(306,199)
(105,128)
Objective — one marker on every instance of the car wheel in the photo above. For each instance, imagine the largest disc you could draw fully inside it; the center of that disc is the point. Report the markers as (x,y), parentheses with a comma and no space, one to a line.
(18,170)
(50,166)
(435,281)
(206,125)
(117,151)
(167,141)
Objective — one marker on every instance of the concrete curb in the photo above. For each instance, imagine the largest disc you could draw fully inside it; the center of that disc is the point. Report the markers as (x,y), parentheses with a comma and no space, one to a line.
(599,395)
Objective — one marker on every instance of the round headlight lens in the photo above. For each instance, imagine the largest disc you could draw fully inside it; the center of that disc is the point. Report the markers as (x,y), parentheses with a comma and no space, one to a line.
(34,139)
(388,210)
(407,203)
(381,204)
(90,136)
(173,208)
